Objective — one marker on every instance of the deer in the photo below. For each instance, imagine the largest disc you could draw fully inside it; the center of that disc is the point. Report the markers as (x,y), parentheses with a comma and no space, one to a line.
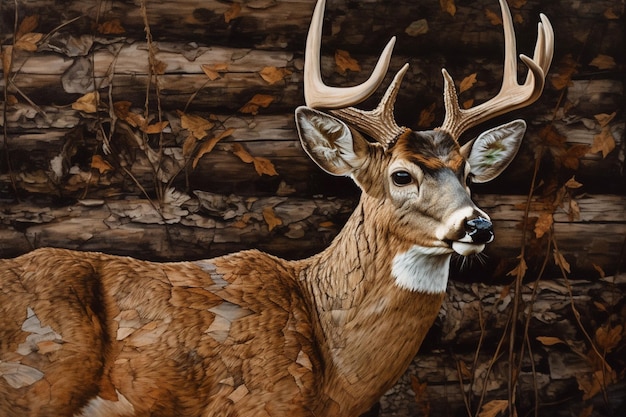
(86,334)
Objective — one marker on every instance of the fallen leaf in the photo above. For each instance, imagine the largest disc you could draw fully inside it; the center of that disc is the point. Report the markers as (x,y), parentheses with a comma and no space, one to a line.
(427,116)
(560,261)
(448,6)
(603,62)
(255,103)
(155,127)
(574,210)
(520,269)
(122,109)
(467,83)
(97,162)
(518,18)
(467,104)
(28,41)
(493,408)
(543,224)
(608,338)
(571,158)
(272,75)
(111,27)
(604,119)
(7,60)
(611,14)
(345,62)
(232,13)
(196,125)
(567,68)
(158,67)
(421,396)
(599,269)
(27,25)
(213,70)
(603,142)
(264,166)
(271,218)
(208,145)
(572,183)
(240,152)
(87,103)
(549,340)
(494,18)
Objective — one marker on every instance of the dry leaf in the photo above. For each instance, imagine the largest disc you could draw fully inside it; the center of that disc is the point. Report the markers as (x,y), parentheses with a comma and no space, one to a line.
(271,218)
(549,340)
(603,62)
(256,102)
(87,103)
(158,67)
(448,6)
(272,75)
(155,127)
(213,70)
(27,25)
(208,145)
(28,42)
(609,338)
(264,166)
(604,119)
(468,103)
(572,183)
(345,62)
(518,18)
(196,125)
(421,396)
(560,261)
(543,224)
(603,142)
(467,83)
(599,269)
(427,116)
(567,68)
(232,13)
(574,210)
(493,408)
(111,27)
(97,162)
(7,60)
(520,269)
(240,152)
(611,14)
(122,109)
(494,18)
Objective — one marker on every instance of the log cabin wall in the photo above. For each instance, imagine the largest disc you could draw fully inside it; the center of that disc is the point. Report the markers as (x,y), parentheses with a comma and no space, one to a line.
(164,130)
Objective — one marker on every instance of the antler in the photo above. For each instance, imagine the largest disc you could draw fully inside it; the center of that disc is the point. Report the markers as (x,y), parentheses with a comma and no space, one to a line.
(512,95)
(378,123)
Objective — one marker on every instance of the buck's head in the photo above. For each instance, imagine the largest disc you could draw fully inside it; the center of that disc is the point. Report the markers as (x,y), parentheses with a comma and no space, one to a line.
(420,179)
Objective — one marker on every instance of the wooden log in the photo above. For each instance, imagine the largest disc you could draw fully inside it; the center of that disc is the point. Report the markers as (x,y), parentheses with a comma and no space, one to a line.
(457,360)
(204,224)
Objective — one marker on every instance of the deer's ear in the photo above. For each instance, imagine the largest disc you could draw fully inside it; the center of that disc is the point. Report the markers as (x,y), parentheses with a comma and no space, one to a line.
(492,151)
(330,142)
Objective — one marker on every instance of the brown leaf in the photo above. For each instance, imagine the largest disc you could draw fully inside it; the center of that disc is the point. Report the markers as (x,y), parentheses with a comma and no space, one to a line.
(603,142)
(468,103)
(232,13)
(604,119)
(196,125)
(493,408)
(567,68)
(427,116)
(7,61)
(264,166)
(560,261)
(448,6)
(494,18)
(111,27)
(208,145)
(28,41)
(256,102)
(97,162)
(543,224)
(611,14)
(158,67)
(87,103)
(240,152)
(213,70)
(272,75)
(571,158)
(520,269)
(572,183)
(420,389)
(467,83)
(271,218)
(603,62)
(608,338)
(27,25)
(517,4)
(599,269)
(345,62)
(155,127)
(122,109)
(574,210)
(549,340)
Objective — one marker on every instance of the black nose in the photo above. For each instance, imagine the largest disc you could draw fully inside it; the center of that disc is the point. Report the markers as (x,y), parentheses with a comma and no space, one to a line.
(480,230)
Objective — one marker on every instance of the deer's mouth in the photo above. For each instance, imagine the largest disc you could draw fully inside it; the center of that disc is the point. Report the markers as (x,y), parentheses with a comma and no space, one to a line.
(466,248)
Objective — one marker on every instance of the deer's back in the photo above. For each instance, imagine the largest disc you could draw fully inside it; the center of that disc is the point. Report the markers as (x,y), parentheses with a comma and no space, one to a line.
(87,331)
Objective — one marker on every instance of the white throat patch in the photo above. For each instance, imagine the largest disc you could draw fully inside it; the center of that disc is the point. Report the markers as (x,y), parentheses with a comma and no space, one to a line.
(422,269)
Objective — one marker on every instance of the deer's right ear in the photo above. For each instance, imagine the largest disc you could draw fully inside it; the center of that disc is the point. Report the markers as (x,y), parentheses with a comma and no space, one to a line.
(330,142)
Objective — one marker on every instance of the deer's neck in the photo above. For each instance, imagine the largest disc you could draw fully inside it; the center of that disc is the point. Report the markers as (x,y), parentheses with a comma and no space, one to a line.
(376,296)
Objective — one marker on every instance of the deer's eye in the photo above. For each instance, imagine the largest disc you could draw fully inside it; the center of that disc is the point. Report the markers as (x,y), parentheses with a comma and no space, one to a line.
(401,178)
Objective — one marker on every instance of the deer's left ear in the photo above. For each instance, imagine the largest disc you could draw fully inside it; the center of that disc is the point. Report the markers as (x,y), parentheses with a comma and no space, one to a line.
(492,151)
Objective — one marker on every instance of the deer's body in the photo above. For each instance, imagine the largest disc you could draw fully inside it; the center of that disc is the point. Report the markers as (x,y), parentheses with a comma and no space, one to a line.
(249,334)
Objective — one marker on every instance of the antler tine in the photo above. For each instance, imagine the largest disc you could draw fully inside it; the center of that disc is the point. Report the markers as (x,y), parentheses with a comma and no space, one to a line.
(378,123)
(512,95)
(319,95)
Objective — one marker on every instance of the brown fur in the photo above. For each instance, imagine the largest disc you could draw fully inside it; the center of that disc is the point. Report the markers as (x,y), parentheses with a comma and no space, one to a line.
(246,334)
